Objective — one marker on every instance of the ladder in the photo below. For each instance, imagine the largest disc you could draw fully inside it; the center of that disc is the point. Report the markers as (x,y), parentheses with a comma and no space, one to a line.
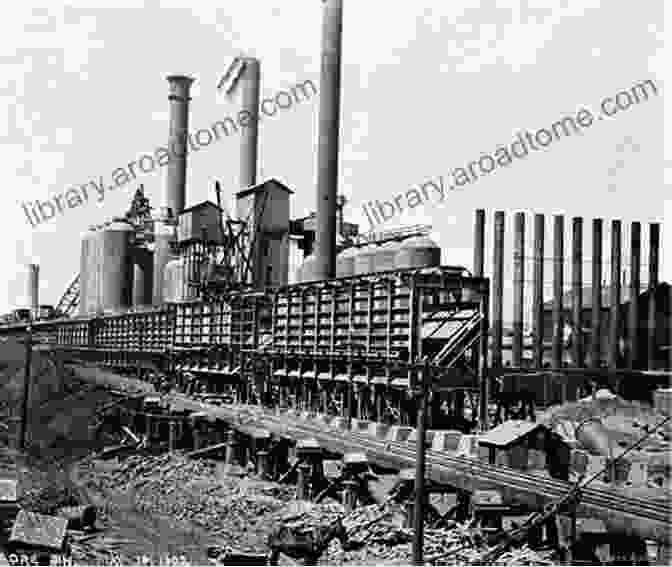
(70,299)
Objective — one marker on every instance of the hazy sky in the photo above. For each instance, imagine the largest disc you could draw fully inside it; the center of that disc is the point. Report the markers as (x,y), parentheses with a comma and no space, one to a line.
(427,87)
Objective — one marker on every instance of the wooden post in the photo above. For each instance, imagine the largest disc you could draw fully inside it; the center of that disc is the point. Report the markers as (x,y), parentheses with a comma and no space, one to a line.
(558,283)
(538,297)
(577,290)
(654,243)
(498,290)
(596,327)
(27,384)
(518,289)
(615,296)
(418,516)
(633,313)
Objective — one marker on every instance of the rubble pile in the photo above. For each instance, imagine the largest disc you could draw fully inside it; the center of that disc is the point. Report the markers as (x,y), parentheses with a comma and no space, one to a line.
(375,536)
(237,511)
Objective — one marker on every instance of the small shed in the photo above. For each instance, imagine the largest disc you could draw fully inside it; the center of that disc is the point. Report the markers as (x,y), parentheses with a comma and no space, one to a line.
(201,218)
(518,444)
(39,532)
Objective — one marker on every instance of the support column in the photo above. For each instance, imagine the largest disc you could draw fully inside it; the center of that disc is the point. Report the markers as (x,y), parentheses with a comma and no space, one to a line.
(302,487)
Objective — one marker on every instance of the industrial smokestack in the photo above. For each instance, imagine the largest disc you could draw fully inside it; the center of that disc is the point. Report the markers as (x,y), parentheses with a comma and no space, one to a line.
(327,151)
(249,136)
(33,283)
(176,170)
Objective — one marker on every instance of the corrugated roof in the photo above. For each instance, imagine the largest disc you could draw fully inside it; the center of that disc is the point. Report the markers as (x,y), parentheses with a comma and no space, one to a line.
(509,432)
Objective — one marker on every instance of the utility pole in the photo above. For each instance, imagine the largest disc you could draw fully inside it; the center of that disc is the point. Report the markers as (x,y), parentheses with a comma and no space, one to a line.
(419,508)
(26,388)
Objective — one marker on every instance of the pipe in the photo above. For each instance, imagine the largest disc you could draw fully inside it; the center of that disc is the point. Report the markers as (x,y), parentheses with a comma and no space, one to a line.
(577,290)
(518,288)
(249,135)
(33,288)
(479,242)
(596,327)
(327,151)
(633,312)
(558,284)
(178,132)
(498,290)
(538,297)
(654,244)
(615,296)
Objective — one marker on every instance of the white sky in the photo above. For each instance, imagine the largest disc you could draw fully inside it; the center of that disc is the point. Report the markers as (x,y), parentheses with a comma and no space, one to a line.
(427,86)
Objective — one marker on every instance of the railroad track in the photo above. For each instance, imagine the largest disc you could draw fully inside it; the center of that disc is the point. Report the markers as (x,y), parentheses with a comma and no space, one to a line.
(621,512)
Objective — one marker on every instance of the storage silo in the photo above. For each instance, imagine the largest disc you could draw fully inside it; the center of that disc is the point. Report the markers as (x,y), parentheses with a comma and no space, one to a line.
(85,269)
(385,258)
(418,252)
(306,271)
(174,281)
(92,271)
(345,262)
(116,241)
(143,264)
(365,260)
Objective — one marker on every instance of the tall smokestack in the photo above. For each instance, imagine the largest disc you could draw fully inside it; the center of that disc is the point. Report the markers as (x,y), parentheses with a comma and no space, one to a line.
(176,170)
(33,286)
(249,136)
(327,151)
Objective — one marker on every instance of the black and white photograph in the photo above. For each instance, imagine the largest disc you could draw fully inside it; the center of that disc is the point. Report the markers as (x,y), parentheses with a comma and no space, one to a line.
(335,282)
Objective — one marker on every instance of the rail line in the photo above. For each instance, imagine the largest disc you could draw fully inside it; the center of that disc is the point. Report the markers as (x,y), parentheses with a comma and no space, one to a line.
(620,512)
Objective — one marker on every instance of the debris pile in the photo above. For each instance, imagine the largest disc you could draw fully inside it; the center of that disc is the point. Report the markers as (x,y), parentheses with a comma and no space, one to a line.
(237,511)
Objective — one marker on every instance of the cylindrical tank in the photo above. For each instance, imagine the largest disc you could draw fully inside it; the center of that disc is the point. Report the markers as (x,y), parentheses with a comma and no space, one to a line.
(345,262)
(594,437)
(142,276)
(93,297)
(164,236)
(85,269)
(117,265)
(365,259)
(174,281)
(307,269)
(385,258)
(418,252)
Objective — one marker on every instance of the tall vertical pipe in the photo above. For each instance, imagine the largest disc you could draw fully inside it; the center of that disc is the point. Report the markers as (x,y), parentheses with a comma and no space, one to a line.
(249,135)
(518,288)
(633,312)
(178,131)
(327,151)
(596,335)
(654,244)
(164,237)
(479,243)
(33,287)
(538,293)
(577,291)
(498,290)
(615,296)
(558,284)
